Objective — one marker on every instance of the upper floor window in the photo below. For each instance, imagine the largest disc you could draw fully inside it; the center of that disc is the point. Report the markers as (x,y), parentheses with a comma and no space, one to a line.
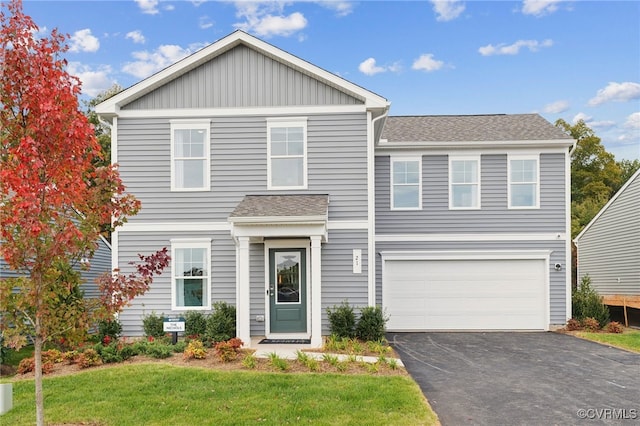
(524,185)
(287,153)
(190,155)
(190,277)
(406,183)
(464,182)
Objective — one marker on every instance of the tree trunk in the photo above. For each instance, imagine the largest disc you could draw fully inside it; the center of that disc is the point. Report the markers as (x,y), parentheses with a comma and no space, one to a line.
(37,344)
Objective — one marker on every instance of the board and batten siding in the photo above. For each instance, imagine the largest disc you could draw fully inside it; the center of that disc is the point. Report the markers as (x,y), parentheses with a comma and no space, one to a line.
(609,250)
(158,298)
(240,78)
(336,163)
(557,279)
(494,216)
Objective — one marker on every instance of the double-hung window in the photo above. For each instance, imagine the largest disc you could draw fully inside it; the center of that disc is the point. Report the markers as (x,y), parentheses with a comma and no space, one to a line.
(524,185)
(406,183)
(464,182)
(190,161)
(287,153)
(191,274)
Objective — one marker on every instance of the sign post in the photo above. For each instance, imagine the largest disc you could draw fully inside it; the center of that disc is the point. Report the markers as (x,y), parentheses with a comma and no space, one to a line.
(173,326)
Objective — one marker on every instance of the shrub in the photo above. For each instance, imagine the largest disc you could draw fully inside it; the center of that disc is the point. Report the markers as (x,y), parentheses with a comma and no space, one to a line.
(179,347)
(614,327)
(221,324)
(4,351)
(158,350)
(342,320)
(590,324)
(573,324)
(109,330)
(128,351)
(89,358)
(53,356)
(371,324)
(250,361)
(26,365)
(153,325)
(111,354)
(588,304)
(228,351)
(195,350)
(195,324)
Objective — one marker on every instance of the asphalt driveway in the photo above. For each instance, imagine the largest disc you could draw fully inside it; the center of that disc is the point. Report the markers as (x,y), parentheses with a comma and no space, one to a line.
(522,378)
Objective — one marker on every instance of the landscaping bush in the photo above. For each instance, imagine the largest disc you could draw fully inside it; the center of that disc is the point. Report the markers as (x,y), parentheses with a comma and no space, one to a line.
(342,320)
(227,351)
(153,325)
(587,303)
(195,324)
(371,324)
(111,353)
(573,325)
(221,324)
(614,327)
(590,324)
(89,358)
(109,330)
(195,350)
(159,350)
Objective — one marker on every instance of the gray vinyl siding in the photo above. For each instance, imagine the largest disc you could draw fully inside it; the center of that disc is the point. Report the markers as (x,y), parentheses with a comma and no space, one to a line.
(493,216)
(610,249)
(158,298)
(557,279)
(241,77)
(336,165)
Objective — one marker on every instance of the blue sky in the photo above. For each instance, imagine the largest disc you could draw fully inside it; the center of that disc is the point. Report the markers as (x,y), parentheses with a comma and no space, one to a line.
(562,59)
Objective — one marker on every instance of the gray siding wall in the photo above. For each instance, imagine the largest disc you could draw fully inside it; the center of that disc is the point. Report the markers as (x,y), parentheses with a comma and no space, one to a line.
(242,77)
(494,215)
(610,249)
(557,279)
(337,165)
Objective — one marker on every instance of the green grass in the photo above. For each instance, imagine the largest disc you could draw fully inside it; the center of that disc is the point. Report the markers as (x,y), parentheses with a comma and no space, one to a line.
(629,340)
(155,394)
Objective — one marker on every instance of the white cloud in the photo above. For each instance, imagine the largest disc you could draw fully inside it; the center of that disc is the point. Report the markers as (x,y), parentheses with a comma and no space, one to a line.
(84,41)
(514,49)
(602,124)
(540,7)
(447,10)
(618,92)
(427,63)
(266,19)
(148,63)
(205,22)
(150,7)
(581,116)
(633,121)
(342,8)
(556,107)
(93,81)
(136,36)
(369,67)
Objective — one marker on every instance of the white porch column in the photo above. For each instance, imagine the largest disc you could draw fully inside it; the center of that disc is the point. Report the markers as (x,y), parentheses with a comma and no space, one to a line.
(243,328)
(316,292)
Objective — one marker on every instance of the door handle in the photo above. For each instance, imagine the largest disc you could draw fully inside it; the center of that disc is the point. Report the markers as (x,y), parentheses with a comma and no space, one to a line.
(270,291)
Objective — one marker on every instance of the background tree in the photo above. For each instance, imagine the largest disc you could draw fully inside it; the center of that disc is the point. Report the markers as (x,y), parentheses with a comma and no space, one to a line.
(101,129)
(56,190)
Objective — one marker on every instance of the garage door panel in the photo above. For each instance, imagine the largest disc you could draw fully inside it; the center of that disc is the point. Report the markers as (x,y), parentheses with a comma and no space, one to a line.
(465,294)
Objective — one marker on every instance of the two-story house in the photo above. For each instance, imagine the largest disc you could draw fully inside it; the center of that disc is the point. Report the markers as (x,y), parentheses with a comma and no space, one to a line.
(284,189)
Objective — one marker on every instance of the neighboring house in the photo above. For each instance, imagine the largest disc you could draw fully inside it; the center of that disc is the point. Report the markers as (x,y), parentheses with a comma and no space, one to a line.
(285,190)
(609,248)
(99,264)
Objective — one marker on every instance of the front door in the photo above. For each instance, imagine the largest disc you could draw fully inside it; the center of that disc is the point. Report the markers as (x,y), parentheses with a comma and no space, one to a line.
(287,290)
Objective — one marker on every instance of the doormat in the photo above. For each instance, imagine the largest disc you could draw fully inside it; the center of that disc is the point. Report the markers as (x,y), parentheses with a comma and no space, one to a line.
(285,341)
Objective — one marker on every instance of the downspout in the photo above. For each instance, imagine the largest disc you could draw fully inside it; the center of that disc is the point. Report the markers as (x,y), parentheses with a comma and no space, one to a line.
(371,247)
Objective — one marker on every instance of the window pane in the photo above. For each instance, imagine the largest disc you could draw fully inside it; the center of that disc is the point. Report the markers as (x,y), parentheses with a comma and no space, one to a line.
(278,148)
(191,291)
(181,139)
(295,148)
(295,134)
(464,195)
(197,143)
(287,172)
(278,134)
(190,173)
(406,172)
(523,195)
(464,171)
(406,196)
(288,277)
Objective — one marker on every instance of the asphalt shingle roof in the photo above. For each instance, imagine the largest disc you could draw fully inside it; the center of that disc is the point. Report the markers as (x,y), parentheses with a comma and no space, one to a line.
(281,206)
(468,128)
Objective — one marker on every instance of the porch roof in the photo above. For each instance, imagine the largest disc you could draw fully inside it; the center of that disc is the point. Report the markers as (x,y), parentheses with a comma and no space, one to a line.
(281,208)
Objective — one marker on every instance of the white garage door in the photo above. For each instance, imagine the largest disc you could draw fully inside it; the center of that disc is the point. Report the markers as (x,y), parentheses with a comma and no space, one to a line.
(465,294)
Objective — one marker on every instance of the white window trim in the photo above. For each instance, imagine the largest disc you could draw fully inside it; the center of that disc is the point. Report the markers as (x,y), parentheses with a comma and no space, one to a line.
(204,124)
(509,183)
(204,243)
(478,183)
(287,122)
(392,183)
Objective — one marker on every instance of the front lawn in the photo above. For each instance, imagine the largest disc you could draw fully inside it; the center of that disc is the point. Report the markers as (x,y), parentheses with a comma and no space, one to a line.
(629,340)
(159,394)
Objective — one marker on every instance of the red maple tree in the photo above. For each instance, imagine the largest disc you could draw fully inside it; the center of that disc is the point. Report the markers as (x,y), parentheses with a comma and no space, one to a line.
(53,196)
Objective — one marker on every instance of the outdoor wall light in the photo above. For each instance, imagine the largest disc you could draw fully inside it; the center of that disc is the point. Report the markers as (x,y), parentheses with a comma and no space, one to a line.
(558,266)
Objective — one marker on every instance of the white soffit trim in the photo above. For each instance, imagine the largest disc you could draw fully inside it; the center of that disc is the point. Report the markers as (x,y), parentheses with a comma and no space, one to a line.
(235,112)
(465,255)
(175,227)
(112,105)
(559,236)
